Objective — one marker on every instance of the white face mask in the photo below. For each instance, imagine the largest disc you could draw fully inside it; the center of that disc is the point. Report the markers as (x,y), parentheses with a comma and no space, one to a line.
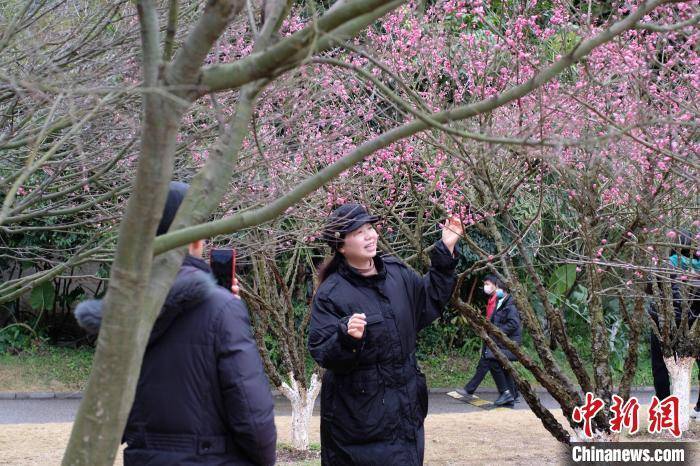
(488,289)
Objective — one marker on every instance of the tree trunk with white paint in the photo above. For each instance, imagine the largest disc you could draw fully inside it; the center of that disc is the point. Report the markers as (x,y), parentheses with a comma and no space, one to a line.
(302,400)
(598,436)
(679,371)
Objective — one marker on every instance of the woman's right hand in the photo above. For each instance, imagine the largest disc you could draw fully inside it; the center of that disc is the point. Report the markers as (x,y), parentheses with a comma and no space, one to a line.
(451,232)
(356,325)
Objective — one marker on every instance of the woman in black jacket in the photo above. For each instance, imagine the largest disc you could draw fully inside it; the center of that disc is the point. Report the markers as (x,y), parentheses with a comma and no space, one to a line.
(365,317)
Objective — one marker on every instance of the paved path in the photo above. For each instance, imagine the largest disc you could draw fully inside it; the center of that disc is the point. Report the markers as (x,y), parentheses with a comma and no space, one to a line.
(57,410)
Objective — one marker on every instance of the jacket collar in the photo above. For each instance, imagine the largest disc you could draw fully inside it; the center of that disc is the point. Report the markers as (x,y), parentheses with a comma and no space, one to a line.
(353,276)
(504,301)
(196,262)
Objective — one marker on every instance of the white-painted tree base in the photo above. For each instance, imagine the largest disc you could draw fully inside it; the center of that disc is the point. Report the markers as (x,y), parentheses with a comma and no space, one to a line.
(302,408)
(598,436)
(679,371)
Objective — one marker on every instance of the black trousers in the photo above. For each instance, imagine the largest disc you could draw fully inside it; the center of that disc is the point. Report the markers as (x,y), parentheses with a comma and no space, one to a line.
(502,378)
(662,382)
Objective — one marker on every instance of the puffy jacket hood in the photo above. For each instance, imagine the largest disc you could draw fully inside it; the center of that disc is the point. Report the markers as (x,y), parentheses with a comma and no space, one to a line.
(194,283)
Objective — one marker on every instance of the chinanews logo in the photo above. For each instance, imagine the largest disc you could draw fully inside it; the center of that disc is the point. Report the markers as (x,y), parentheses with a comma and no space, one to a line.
(662,415)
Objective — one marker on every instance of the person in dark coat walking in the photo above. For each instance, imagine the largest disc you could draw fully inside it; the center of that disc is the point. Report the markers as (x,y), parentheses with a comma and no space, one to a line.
(683,261)
(509,322)
(202,397)
(365,317)
(507,318)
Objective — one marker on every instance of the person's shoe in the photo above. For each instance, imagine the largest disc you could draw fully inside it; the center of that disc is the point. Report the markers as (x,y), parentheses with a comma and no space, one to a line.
(695,414)
(508,405)
(505,398)
(466,394)
(518,399)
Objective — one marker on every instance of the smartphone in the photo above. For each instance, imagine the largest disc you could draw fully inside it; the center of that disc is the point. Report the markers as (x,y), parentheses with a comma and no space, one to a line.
(223,266)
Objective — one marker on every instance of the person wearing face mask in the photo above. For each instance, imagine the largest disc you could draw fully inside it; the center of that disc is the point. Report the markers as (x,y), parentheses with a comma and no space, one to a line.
(365,317)
(502,312)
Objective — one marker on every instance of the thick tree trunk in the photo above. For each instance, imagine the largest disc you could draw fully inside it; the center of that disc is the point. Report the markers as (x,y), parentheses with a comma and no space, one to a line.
(302,400)
(126,324)
(680,370)
(634,322)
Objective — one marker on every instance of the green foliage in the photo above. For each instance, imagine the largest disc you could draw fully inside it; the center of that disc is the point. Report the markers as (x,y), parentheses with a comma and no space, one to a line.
(482,241)
(449,335)
(42,297)
(15,338)
(560,44)
(70,299)
(273,349)
(561,280)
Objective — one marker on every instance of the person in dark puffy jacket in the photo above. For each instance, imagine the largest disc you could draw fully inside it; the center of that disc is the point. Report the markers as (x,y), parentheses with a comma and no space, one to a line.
(365,317)
(202,396)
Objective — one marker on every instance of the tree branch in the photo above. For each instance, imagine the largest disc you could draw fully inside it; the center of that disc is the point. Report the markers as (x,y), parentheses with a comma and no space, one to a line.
(277,207)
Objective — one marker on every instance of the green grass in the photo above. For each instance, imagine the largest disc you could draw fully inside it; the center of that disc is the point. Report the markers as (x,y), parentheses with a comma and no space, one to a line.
(46,368)
(444,371)
(447,371)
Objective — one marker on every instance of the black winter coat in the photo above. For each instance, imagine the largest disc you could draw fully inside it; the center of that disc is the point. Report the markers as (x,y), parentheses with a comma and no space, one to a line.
(202,396)
(374,398)
(693,290)
(507,318)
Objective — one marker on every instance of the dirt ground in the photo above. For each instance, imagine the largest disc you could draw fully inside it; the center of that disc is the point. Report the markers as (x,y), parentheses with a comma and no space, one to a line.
(497,437)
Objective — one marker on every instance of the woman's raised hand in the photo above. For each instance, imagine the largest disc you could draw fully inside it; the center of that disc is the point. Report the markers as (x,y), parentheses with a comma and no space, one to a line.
(356,325)
(451,232)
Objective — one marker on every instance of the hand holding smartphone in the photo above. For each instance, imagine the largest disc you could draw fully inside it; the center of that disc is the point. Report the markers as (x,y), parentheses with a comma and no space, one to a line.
(223,266)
